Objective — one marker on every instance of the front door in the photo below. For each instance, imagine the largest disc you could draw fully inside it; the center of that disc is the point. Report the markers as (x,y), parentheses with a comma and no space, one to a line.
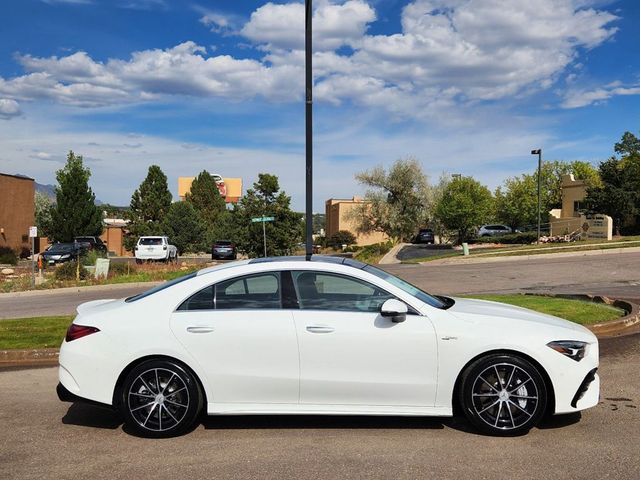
(351,355)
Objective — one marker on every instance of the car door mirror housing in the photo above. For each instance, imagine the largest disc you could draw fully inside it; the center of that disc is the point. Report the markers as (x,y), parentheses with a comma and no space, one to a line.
(395,310)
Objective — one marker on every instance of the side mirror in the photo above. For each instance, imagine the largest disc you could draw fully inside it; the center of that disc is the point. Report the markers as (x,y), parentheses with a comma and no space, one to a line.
(395,310)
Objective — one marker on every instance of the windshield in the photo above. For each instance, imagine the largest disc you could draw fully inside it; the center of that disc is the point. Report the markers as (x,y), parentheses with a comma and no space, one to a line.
(150,241)
(160,287)
(407,287)
(61,247)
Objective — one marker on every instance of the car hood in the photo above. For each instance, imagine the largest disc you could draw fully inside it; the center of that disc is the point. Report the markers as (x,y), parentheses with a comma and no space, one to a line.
(466,308)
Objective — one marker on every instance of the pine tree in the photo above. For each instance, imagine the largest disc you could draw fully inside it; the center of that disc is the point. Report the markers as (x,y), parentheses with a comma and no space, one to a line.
(205,197)
(266,199)
(184,227)
(149,206)
(75,212)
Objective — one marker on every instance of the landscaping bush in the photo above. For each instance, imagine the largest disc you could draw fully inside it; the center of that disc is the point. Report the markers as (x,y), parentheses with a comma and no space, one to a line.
(126,268)
(514,238)
(342,237)
(67,271)
(373,253)
(7,255)
(25,251)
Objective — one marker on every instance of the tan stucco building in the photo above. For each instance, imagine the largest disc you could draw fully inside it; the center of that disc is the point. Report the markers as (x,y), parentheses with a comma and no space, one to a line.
(337,210)
(17,210)
(568,219)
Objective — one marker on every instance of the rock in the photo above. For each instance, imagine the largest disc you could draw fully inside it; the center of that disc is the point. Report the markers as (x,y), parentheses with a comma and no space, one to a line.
(184,268)
(7,271)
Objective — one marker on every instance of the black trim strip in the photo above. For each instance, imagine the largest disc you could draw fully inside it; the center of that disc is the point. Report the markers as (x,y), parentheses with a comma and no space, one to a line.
(584,386)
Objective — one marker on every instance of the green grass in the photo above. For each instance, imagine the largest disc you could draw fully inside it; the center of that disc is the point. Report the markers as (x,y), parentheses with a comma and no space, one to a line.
(578,311)
(39,332)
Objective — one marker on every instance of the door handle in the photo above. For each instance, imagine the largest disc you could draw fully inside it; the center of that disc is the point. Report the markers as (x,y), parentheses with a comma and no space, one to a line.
(200,329)
(319,329)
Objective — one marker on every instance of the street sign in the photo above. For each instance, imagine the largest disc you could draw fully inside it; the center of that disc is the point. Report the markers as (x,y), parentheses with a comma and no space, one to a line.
(33,232)
(263,219)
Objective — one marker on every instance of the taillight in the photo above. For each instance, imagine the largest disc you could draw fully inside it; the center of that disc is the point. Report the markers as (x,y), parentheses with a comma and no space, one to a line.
(78,331)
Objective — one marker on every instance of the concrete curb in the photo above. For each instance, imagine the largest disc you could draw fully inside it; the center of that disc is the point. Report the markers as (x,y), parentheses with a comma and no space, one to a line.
(510,258)
(88,288)
(626,325)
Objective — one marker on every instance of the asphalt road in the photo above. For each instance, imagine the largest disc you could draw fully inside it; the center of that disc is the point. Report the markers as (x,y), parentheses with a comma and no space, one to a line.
(44,438)
(614,275)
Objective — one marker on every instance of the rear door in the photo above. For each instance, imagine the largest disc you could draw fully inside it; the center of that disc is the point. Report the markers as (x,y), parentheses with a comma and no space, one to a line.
(351,355)
(243,339)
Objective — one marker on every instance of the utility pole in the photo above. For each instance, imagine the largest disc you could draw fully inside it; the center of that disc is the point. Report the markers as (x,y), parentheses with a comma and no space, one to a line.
(309,127)
(539,153)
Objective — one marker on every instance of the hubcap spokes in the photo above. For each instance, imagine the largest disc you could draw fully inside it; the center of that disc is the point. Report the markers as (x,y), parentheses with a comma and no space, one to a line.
(504,396)
(158,399)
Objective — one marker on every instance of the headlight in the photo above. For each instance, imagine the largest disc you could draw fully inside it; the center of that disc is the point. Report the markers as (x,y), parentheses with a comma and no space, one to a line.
(570,348)
(66,255)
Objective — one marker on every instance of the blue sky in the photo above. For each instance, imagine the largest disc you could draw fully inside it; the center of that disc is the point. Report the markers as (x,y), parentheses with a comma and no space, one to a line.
(464,86)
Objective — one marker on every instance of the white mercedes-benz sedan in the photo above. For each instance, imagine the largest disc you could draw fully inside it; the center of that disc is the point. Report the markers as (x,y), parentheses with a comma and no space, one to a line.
(323,335)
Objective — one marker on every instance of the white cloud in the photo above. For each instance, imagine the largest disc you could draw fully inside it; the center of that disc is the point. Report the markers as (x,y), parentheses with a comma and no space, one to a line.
(9,108)
(449,52)
(281,26)
(583,98)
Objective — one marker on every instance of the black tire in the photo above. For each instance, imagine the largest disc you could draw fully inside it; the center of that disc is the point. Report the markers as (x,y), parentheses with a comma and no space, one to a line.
(138,261)
(165,411)
(503,395)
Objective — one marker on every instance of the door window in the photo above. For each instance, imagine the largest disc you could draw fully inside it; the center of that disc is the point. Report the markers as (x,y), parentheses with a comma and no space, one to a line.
(260,291)
(328,291)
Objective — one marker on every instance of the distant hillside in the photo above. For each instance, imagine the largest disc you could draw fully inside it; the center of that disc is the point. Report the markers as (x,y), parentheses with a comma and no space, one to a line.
(49,190)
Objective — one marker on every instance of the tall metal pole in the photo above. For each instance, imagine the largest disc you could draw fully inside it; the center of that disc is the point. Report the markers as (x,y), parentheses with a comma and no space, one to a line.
(309,128)
(539,153)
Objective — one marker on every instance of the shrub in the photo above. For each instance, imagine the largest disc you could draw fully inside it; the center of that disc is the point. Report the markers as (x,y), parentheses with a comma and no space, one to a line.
(514,238)
(25,251)
(126,268)
(7,255)
(373,253)
(342,237)
(67,271)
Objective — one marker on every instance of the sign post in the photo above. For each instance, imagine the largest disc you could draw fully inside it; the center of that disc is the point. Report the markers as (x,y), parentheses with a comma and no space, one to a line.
(33,233)
(264,229)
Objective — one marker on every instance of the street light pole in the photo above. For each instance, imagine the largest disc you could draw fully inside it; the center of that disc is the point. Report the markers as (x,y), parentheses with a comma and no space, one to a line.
(539,153)
(309,127)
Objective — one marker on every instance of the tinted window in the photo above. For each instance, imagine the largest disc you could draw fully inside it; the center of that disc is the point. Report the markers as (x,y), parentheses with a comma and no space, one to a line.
(150,241)
(203,300)
(327,291)
(253,291)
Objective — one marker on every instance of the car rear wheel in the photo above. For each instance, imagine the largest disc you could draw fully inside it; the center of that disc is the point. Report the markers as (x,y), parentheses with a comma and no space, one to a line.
(503,395)
(160,398)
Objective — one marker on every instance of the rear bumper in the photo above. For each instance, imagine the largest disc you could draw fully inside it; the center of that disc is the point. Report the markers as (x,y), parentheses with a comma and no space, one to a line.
(66,396)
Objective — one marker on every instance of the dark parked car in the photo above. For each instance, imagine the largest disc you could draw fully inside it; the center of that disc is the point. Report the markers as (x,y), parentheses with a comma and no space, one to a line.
(93,243)
(63,252)
(224,249)
(425,235)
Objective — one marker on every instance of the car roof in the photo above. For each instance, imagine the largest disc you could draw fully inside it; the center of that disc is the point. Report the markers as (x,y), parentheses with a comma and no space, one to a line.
(349,262)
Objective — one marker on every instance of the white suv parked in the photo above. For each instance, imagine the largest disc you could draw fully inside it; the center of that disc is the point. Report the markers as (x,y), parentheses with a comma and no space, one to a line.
(155,248)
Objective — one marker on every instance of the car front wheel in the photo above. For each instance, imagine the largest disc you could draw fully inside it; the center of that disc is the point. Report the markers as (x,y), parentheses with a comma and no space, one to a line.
(503,395)
(160,398)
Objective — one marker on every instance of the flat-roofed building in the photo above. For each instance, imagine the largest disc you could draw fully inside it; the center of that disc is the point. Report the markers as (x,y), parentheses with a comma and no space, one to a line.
(337,218)
(232,188)
(17,210)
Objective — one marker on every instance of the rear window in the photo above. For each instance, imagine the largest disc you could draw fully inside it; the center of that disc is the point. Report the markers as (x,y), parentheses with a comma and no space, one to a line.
(160,287)
(150,241)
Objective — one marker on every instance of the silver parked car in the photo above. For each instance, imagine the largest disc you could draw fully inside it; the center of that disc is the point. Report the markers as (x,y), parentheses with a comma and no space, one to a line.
(493,230)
